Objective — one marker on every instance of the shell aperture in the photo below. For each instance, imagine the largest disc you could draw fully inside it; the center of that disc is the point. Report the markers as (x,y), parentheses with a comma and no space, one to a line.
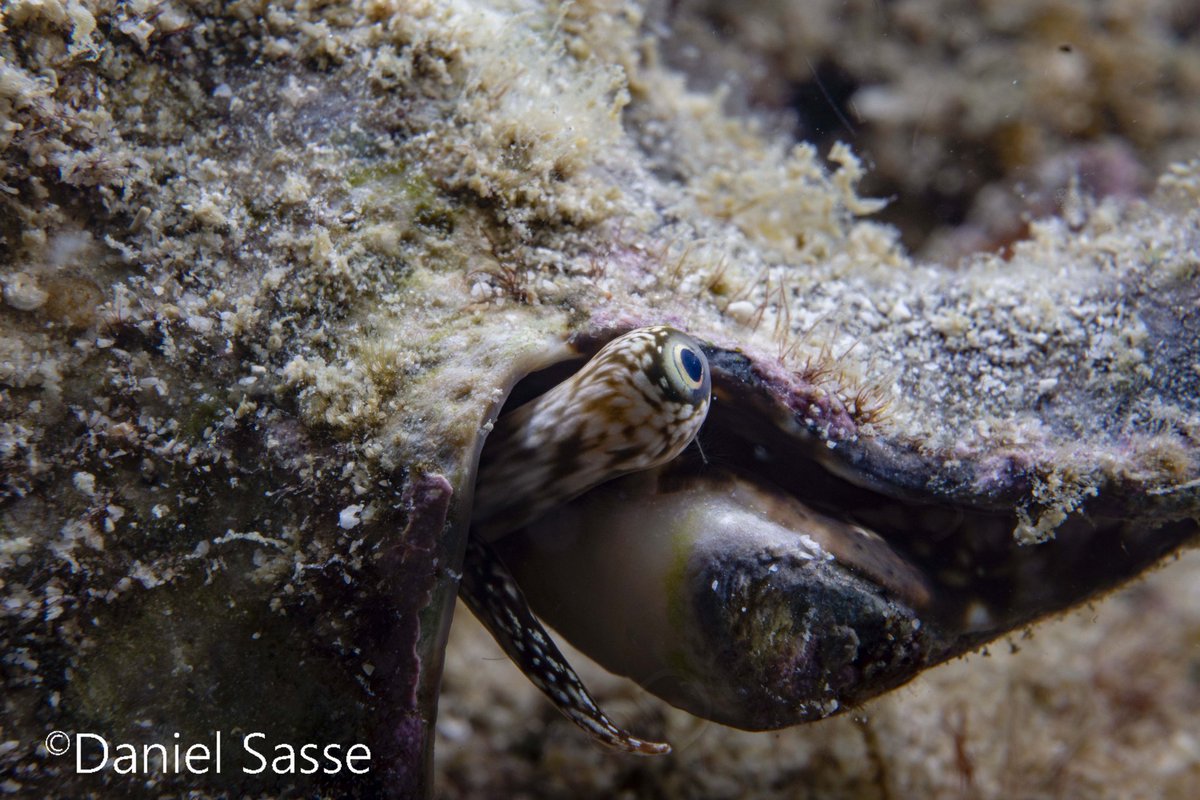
(765,587)
(635,405)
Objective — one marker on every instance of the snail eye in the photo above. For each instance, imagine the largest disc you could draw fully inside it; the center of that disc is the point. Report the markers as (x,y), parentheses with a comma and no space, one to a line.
(687,368)
(691,364)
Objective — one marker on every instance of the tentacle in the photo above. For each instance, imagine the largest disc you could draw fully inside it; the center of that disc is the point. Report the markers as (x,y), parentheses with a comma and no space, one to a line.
(493,595)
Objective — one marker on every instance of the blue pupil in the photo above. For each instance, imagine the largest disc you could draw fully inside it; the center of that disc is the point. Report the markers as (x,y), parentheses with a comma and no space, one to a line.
(691,364)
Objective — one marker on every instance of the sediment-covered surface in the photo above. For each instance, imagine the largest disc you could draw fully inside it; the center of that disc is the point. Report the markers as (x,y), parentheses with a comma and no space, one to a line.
(268,267)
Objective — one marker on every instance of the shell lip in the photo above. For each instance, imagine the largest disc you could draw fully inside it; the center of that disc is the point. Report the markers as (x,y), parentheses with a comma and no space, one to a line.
(958,521)
(909,470)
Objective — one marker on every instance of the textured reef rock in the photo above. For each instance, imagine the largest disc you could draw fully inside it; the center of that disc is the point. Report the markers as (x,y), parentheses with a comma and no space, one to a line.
(268,269)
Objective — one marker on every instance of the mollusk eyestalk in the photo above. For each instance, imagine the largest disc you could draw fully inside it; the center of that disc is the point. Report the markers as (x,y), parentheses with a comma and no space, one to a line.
(637,404)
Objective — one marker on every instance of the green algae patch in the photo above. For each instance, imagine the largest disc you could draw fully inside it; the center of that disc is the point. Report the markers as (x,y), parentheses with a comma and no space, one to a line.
(408,192)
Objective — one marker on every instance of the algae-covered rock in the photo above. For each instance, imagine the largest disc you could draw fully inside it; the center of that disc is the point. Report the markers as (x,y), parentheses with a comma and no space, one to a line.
(270,269)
